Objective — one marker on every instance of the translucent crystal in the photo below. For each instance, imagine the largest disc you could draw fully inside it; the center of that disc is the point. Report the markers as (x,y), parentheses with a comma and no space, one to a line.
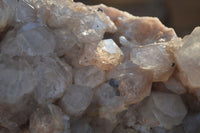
(72,56)
(144,30)
(90,29)
(110,101)
(49,119)
(65,40)
(31,40)
(25,12)
(134,82)
(105,94)
(17,83)
(175,86)
(146,116)
(155,58)
(22,77)
(168,109)
(53,13)
(54,78)
(90,76)
(188,58)
(76,100)
(87,26)
(106,55)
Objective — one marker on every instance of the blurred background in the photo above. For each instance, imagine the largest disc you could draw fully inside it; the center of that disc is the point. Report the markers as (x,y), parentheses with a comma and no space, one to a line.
(182,15)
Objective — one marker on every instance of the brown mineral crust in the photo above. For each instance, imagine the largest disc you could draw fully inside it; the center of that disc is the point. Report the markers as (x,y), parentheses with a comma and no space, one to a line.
(138,30)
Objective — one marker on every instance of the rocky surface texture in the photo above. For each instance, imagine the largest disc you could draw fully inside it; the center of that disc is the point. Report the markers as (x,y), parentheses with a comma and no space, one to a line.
(70,68)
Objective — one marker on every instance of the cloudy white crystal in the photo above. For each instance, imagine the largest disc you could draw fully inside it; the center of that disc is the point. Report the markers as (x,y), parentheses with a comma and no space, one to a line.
(188,58)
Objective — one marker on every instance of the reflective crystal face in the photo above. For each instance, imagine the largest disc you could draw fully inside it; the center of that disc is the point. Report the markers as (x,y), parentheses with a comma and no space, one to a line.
(155,58)
(90,29)
(25,12)
(106,55)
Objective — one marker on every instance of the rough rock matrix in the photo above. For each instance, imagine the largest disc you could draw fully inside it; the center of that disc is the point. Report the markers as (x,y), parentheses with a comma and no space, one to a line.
(66,67)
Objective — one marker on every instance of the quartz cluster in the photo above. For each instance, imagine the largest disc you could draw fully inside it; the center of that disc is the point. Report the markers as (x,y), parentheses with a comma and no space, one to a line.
(66,67)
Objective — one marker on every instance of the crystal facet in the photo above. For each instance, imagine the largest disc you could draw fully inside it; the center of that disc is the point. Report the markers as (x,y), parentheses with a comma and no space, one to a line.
(106,55)
(76,100)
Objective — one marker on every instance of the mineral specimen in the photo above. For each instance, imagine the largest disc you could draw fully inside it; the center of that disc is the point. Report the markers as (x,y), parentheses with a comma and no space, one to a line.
(66,67)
